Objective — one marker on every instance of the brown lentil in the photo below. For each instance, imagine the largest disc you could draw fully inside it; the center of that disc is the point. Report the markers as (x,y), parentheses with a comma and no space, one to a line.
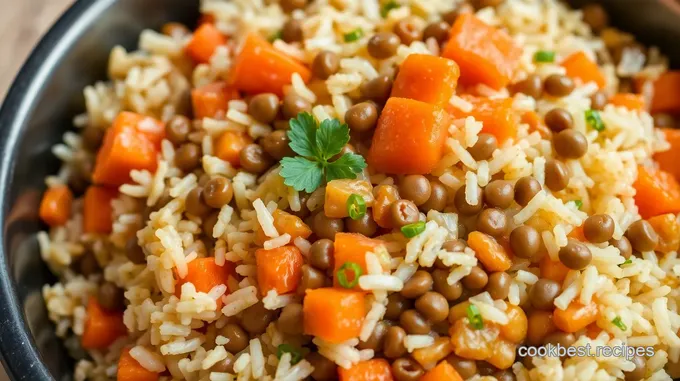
(292,31)
(311,279)
(256,318)
(218,192)
(324,369)
(575,255)
(499,285)
(531,86)
(492,221)
(396,305)
(598,100)
(394,342)
(433,306)
(558,119)
(254,159)
(325,64)
(504,375)
(439,284)
(499,194)
(663,120)
(134,252)
(264,107)
(570,144)
(377,339)
(543,294)
(362,117)
(188,157)
(558,85)
(294,104)
(194,203)
(111,297)
(383,45)
(525,241)
(407,31)
(289,6)
(321,254)
(290,320)
(623,245)
(562,339)
(598,228)
(596,17)
(209,223)
(438,30)
(454,245)
(225,365)
(640,371)
(406,369)
(462,205)
(476,280)
(642,236)
(177,129)
(465,368)
(377,89)
(437,200)
(238,338)
(482,150)
(415,188)
(417,285)
(275,145)
(403,212)
(556,175)
(325,227)
(525,189)
(414,323)
(365,225)
(88,265)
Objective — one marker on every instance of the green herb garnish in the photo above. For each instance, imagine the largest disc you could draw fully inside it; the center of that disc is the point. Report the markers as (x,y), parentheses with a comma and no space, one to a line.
(295,353)
(276,36)
(316,145)
(412,230)
(356,206)
(617,322)
(354,35)
(342,274)
(594,121)
(544,56)
(626,262)
(388,7)
(475,317)
(578,203)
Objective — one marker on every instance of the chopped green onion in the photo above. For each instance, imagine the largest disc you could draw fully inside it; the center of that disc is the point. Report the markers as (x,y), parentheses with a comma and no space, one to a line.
(544,56)
(475,317)
(578,203)
(388,7)
(356,206)
(626,262)
(412,230)
(295,353)
(617,322)
(342,275)
(354,35)
(594,121)
(276,36)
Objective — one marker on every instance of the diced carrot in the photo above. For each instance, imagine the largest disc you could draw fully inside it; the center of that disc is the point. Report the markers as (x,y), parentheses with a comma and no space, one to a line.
(426,78)
(542,325)
(535,123)
(658,192)
(553,270)
(55,207)
(385,195)
(576,317)
(338,192)
(204,42)
(97,209)
(211,99)
(429,356)
(458,311)
(132,142)
(206,19)
(442,372)
(102,327)
(667,93)
(287,223)
(334,315)
(579,66)
(668,229)
(502,354)
(633,102)
(593,331)
(485,54)
(516,329)
(577,234)
(370,370)
(130,370)
(668,160)
(409,138)
(205,274)
(259,68)
(497,115)
(229,145)
(352,247)
(279,269)
(492,255)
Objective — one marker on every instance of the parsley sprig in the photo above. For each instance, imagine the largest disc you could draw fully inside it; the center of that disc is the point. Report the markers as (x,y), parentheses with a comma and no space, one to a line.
(317,144)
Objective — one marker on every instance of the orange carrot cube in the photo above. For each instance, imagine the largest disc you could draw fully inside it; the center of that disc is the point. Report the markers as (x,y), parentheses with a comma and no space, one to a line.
(229,145)
(497,115)
(102,327)
(279,269)
(580,66)
(352,247)
(335,315)
(667,93)
(370,370)
(205,274)
(657,192)
(130,370)
(55,207)
(576,317)
(211,99)
(489,252)
(442,372)
(204,42)
(426,78)
(633,102)
(97,209)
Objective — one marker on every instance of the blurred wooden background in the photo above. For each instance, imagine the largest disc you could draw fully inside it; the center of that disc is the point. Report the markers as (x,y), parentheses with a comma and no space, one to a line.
(22,23)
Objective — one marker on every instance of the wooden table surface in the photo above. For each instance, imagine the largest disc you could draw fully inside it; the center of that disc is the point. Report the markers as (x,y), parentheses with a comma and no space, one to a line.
(22,23)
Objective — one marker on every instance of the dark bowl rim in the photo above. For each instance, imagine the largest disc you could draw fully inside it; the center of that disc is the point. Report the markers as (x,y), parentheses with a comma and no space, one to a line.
(18,351)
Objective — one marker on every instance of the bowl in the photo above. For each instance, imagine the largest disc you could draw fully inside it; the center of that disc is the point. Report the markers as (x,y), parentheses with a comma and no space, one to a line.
(39,107)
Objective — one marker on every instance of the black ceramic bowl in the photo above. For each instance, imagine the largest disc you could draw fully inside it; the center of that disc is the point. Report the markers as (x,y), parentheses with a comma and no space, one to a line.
(39,107)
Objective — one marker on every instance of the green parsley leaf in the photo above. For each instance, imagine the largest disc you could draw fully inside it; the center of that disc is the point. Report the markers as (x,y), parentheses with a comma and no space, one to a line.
(346,167)
(302,135)
(619,323)
(388,7)
(594,121)
(331,137)
(301,174)
(544,56)
(354,35)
